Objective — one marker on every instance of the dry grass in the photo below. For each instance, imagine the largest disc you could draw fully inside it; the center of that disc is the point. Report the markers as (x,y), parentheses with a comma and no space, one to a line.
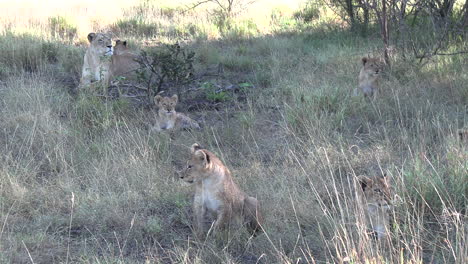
(83,180)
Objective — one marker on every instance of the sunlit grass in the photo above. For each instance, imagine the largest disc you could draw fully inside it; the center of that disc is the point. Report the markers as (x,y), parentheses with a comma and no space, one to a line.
(83,178)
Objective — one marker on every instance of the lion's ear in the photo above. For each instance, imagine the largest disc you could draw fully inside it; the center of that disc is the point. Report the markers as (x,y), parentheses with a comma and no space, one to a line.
(384,179)
(364,60)
(175,98)
(202,157)
(364,181)
(91,36)
(157,99)
(195,147)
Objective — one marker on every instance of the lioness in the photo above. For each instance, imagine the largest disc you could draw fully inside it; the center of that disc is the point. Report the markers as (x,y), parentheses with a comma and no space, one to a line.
(217,195)
(374,195)
(369,76)
(97,59)
(123,62)
(168,118)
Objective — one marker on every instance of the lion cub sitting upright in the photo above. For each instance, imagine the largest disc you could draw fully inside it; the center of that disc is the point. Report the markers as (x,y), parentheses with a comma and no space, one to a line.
(369,76)
(375,197)
(217,195)
(168,118)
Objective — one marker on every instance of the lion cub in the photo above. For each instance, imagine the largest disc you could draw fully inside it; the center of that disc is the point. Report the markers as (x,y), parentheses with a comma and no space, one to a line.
(375,195)
(217,195)
(168,118)
(369,76)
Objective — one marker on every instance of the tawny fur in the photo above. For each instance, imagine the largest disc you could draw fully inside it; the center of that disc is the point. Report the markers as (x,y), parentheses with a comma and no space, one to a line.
(123,62)
(375,197)
(97,59)
(369,76)
(217,196)
(168,118)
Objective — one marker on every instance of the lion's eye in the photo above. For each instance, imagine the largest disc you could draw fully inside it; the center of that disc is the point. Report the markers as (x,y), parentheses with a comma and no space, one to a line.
(189,166)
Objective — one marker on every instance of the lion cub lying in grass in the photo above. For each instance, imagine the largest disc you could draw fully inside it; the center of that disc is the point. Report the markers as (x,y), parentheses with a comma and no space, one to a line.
(369,76)
(375,195)
(217,195)
(168,118)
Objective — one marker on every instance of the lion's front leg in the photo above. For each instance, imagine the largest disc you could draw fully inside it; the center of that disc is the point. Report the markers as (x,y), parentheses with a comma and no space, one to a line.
(222,218)
(199,218)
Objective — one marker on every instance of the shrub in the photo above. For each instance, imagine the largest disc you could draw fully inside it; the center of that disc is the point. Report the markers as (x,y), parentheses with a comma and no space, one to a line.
(309,13)
(168,64)
(212,94)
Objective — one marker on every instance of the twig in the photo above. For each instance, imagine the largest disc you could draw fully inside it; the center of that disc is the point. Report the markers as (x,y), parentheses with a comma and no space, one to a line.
(29,254)
(130,86)
(69,225)
(454,53)
(133,96)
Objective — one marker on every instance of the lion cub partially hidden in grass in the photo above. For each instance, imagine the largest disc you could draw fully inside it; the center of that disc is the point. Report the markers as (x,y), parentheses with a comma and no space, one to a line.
(216,194)
(369,76)
(168,118)
(375,196)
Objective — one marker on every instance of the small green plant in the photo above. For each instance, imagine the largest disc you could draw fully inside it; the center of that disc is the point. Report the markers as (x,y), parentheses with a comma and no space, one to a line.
(213,94)
(244,86)
(61,28)
(310,12)
(153,226)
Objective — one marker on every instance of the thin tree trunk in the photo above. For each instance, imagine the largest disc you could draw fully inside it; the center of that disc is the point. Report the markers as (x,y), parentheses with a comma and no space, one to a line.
(465,15)
(384,31)
(350,11)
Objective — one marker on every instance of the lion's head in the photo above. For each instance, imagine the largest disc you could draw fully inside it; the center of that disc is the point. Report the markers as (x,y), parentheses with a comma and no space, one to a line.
(197,165)
(376,191)
(375,197)
(372,66)
(100,43)
(165,104)
(120,47)
(201,165)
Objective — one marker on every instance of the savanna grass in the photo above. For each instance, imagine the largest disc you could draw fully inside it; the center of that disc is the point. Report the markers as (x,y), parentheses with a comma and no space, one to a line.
(82,178)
